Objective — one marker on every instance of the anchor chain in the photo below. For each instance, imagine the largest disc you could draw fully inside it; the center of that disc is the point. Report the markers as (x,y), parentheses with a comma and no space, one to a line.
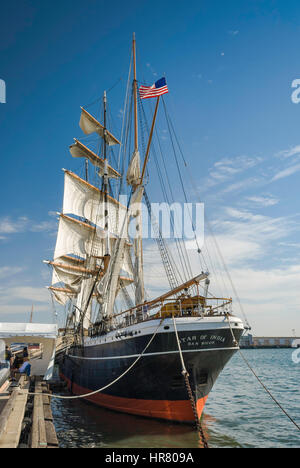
(192,400)
(189,390)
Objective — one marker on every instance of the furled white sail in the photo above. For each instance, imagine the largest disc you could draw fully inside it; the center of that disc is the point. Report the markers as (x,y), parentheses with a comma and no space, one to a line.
(61,295)
(126,265)
(84,300)
(136,213)
(111,281)
(123,282)
(70,279)
(89,124)
(79,150)
(134,172)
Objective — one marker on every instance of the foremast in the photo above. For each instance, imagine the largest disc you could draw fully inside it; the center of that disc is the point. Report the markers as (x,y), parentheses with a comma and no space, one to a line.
(92,258)
(85,236)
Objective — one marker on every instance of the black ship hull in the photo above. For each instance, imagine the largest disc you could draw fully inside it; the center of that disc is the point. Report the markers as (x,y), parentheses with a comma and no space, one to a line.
(154,387)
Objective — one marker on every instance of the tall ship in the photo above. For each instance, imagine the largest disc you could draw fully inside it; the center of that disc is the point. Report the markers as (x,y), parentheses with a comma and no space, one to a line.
(127,349)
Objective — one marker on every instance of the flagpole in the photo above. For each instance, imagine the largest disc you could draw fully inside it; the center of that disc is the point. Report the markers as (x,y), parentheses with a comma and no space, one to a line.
(135,95)
(149,141)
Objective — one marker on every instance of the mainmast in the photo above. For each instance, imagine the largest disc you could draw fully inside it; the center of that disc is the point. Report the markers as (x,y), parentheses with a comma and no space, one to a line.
(133,179)
(135,95)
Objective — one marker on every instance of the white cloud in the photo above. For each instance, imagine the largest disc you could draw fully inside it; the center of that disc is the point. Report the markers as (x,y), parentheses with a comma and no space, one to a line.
(22,312)
(263,200)
(24,224)
(270,295)
(7,271)
(23,293)
(16,303)
(52,214)
(286,172)
(295,150)
(242,185)
(9,226)
(43,226)
(227,168)
(270,298)
(243,224)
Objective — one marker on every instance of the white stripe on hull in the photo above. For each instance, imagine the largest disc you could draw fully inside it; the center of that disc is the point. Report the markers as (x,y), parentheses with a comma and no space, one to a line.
(151,354)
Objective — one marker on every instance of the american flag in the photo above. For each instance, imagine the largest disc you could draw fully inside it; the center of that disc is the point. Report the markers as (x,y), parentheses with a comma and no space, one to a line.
(158,88)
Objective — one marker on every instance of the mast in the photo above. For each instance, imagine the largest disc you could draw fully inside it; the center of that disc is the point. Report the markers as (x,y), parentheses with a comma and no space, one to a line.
(31,314)
(105,177)
(135,94)
(91,282)
(133,179)
(87,170)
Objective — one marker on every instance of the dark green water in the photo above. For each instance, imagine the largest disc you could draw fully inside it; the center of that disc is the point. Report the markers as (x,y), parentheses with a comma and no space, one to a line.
(238,412)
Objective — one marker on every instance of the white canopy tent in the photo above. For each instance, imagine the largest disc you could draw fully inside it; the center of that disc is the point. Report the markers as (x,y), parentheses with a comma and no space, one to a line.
(45,334)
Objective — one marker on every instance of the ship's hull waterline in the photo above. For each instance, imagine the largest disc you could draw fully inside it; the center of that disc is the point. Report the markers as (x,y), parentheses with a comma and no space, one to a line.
(154,387)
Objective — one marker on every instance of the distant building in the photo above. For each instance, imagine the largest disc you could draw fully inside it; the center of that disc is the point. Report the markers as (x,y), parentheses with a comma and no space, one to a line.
(249,341)
(246,341)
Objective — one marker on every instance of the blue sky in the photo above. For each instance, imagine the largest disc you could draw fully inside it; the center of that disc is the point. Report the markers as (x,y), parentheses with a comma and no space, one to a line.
(229,67)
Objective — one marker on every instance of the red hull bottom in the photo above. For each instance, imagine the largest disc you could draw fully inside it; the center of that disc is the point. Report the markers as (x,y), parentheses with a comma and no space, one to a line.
(180,411)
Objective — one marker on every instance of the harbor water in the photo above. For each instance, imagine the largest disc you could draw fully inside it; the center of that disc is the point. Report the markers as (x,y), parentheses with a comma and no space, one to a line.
(238,413)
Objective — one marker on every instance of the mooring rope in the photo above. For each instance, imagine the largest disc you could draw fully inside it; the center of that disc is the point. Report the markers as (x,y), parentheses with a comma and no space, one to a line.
(259,380)
(189,390)
(74,397)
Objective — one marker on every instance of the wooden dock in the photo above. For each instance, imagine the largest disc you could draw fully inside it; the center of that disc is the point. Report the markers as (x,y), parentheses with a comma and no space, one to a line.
(26,421)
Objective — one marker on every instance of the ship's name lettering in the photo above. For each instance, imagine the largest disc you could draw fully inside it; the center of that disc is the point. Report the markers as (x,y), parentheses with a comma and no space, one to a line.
(202,339)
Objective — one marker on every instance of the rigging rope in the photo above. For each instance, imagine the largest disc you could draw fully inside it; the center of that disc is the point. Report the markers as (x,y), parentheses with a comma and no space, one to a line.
(179,243)
(208,224)
(171,129)
(259,380)
(189,390)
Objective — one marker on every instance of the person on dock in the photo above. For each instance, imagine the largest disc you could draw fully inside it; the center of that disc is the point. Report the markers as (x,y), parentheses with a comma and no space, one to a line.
(17,362)
(25,352)
(8,355)
(25,367)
